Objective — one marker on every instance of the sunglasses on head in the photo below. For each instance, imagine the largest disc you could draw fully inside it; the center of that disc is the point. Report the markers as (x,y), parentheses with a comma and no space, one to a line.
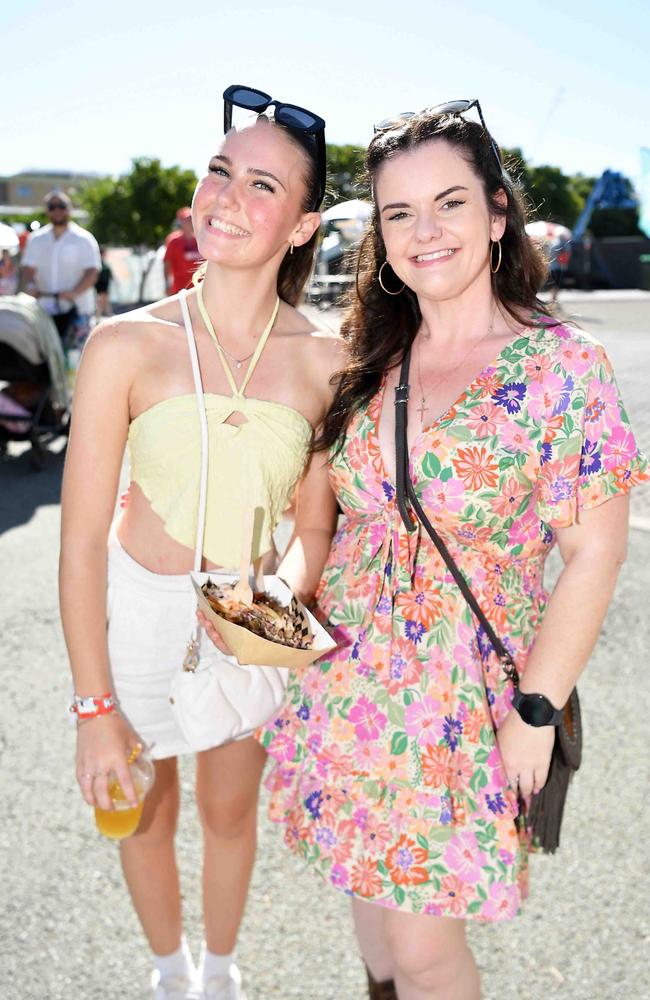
(53,205)
(290,115)
(448,108)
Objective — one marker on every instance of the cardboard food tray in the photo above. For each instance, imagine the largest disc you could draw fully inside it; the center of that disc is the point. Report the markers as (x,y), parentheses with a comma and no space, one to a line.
(250,648)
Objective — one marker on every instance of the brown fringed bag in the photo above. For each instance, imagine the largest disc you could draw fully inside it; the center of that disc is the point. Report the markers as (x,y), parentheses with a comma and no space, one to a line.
(543,818)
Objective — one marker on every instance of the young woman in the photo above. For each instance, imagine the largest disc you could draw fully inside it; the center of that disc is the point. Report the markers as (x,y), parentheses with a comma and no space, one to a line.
(399,759)
(255,213)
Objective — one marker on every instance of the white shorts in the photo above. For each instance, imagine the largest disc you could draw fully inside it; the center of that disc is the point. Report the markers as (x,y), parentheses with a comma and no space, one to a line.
(151,617)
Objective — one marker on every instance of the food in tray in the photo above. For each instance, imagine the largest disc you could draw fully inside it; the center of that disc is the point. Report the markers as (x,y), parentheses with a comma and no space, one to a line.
(266,617)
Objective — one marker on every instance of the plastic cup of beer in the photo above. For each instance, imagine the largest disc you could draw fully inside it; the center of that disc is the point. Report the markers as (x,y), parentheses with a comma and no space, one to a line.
(123,819)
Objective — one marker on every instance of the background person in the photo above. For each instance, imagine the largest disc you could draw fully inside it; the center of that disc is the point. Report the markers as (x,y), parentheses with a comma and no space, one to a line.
(8,273)
(256,217)
(102,287)
(399,758)
(182,255)
(61,262)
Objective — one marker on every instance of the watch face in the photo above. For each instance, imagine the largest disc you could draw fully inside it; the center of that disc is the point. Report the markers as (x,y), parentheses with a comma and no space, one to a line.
(535,709)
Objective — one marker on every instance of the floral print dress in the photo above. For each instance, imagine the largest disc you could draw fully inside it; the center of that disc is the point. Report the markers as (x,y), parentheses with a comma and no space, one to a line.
(386,771)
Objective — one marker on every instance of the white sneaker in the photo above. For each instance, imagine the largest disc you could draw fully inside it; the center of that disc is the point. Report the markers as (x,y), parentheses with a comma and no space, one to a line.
(174,987)
(226,987)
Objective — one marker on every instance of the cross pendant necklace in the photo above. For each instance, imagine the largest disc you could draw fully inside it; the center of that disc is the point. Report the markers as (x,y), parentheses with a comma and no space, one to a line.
(422,409)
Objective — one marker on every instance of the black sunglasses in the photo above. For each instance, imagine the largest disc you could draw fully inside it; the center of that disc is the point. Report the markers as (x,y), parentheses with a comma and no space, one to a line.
(54,205)
(290,115)
(448,108)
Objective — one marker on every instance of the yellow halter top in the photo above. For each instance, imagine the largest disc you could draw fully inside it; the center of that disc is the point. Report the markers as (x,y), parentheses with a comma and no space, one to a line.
(197,471)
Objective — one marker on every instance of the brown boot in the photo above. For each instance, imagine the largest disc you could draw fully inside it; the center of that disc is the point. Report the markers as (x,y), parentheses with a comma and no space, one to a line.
(380,991)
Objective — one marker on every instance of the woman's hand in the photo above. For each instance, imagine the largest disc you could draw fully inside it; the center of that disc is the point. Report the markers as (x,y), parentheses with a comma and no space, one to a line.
(103,745)
(526,752)
(212,634)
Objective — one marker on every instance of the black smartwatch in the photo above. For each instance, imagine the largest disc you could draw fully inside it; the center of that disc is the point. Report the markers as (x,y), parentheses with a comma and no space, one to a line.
(536,709)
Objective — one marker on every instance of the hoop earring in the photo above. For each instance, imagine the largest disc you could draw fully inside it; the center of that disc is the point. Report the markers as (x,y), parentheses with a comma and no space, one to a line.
(495,243)
(387,290)
(291,249)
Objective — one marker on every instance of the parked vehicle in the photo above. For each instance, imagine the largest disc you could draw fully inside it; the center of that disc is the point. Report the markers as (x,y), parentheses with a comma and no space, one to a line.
(343,227)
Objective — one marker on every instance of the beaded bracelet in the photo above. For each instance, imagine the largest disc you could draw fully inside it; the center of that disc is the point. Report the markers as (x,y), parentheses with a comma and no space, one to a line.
(91,706)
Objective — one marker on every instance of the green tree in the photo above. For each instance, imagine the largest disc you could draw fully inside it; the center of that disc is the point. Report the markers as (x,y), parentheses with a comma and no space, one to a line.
(138,208)
(345,174)
(552,195)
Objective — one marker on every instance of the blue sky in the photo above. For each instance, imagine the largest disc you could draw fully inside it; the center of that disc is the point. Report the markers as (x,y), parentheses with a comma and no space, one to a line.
(93,85)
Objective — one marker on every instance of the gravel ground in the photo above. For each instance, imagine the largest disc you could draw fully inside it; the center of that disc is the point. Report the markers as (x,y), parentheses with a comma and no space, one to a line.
(66,925)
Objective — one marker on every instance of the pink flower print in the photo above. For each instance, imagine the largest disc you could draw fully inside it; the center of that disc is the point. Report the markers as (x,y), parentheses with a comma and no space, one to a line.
(339,876)
(314,682)
(466,654)
(602,411)
(376,835)
(619,449)
(485,419)
(549,397)
(497,779)
(367,755)
(461,771)
(464,858)
(368,721)
(444,497)
(360,817)
(454,895)
(510,496)
(318,718)
(283,748)
(424,720)
(515,438)
(526,528)
(502,902)
(393,766)
(537,365)
(577,358)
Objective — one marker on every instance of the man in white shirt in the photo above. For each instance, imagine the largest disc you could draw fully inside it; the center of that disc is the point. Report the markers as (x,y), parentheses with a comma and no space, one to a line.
(60,267)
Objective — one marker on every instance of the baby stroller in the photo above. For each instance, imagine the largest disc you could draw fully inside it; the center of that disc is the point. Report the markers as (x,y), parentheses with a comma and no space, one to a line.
(34,397)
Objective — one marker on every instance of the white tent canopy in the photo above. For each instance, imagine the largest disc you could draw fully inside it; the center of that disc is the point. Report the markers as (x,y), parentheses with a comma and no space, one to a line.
(8,237)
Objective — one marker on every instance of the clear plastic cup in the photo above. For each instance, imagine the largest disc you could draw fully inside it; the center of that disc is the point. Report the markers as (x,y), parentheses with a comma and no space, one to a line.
(122,820)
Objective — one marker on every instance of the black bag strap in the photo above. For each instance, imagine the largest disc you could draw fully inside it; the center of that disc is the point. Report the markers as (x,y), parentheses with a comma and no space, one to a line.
(406,495)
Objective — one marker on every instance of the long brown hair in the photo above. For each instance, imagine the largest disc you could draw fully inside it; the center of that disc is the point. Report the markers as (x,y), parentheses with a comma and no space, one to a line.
(295,267)
(379,328)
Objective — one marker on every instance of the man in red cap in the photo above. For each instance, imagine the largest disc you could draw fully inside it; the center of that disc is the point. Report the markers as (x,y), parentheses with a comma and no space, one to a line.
(181,254)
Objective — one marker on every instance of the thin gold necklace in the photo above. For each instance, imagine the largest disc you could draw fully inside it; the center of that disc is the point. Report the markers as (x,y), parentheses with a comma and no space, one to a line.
(238,362)
(422,409)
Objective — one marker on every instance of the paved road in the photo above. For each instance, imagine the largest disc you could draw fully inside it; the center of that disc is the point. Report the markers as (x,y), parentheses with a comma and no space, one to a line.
(66,926)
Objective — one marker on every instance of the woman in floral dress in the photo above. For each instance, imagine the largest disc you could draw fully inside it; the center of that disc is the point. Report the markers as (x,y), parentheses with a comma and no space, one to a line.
(389,774)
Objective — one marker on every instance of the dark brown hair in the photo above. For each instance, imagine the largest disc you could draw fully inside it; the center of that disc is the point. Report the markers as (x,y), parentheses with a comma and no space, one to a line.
(379,328)
(296,267)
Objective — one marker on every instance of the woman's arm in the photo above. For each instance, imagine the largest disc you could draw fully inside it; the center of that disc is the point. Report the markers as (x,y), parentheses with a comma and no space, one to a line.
(92,469)
(593,551)
(315,522)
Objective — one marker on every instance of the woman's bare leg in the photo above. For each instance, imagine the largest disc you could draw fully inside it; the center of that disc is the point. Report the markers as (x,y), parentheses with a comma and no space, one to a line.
(149,863)
(369,927)
(227,788)
(432,958)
